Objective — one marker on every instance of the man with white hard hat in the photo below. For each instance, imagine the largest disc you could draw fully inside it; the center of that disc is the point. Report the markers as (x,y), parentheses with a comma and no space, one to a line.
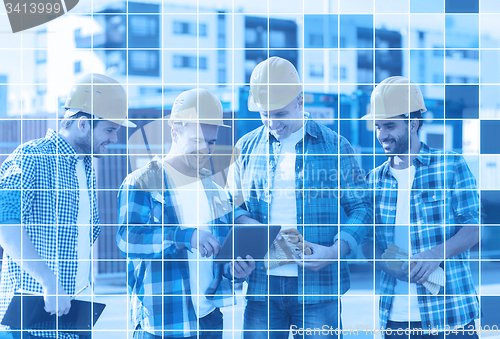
(427,217)
(173,218)
(295,173)
(48,187)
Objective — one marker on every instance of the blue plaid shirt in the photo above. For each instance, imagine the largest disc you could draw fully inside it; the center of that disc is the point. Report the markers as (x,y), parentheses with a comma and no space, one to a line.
(326,173)
(156,246)
(443,199)
(39,187)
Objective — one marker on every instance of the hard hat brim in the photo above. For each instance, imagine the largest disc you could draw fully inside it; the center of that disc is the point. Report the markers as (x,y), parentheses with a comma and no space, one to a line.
(124,123)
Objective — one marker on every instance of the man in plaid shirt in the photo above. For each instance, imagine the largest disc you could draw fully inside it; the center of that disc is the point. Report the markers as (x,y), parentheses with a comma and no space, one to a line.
(169,209)
(294,172)
(48,206)
(426,203)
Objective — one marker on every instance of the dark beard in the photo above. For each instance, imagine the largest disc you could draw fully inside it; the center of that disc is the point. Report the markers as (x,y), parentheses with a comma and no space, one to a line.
(401,146)
(83,145)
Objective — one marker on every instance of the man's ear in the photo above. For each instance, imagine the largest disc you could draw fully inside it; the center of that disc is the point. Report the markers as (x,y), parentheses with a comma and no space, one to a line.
(174,134)
(83,123)
(300,101)
(414,125)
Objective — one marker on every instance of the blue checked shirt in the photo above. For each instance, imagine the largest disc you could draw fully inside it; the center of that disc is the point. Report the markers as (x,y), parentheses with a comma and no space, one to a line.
(156,246)
(443,199)
(39,187)
(326,174)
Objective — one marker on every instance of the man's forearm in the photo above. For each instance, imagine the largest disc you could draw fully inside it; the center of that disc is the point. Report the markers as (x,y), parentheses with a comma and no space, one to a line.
(344,248)
(17,244)
(462,241)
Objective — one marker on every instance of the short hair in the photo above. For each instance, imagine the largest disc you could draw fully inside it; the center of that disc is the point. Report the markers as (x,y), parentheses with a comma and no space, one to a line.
(413,115)
(417,115)
(68,120)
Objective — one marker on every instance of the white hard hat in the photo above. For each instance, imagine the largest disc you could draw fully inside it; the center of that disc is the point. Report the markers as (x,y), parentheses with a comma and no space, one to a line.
(199,106)
(395,96)
(273,85)
(100,96)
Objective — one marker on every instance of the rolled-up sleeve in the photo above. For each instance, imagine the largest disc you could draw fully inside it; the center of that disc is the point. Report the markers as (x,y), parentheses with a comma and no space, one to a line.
(355,199)
(234,189)
(465,197)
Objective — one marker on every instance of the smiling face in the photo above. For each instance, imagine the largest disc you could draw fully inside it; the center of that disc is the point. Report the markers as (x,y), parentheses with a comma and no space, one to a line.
(393,136)
(190,145)
(285,121)
(95,141)
(104,133)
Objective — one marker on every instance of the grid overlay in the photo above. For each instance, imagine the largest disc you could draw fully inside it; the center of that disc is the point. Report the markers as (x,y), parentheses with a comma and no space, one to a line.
(230,88)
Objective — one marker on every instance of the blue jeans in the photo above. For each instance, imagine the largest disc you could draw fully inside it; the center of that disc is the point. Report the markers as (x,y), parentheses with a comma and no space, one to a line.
(210,325)
(286,313)
(468,333)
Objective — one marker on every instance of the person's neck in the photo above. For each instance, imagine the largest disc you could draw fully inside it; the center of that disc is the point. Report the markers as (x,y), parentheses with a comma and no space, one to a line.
(66,136)
(177,162)
(405,161)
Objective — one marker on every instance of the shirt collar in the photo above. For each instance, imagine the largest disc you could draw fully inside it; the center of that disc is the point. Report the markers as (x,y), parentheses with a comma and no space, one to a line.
(62,145)
(424,157)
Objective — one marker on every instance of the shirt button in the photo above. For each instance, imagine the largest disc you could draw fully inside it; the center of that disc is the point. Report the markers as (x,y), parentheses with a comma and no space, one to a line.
(392,209)
(393,185)
(265,217)
(262,268)
(434,197)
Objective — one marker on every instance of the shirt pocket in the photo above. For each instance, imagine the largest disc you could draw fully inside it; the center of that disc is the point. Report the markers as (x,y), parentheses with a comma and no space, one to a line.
(431,207)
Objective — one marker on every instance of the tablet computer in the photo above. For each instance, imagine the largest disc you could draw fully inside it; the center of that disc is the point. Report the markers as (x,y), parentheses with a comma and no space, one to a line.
(244,239)
(27,311)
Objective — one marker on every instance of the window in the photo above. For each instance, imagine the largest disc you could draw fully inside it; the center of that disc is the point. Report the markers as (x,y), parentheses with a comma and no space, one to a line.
(189,28)
(277,39)
(221,56)
(365,75)
(315,40)
(250,36)
(343,73)
(181,27)
(221,75)
(339,70)
(142,25)
(184,62)
(203,63)
(144,63)
(203,29)
(78,67)
(316,70)
(41,56)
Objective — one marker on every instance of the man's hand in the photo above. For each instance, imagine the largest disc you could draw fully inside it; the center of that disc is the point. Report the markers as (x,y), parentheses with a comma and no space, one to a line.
(57,301)
(242,268)
(208,244)
(426,263)
(321,257)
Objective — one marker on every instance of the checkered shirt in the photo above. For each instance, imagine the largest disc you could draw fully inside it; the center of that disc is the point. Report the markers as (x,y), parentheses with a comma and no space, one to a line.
(443,199)
(156,246)
(39,187)
(326,173)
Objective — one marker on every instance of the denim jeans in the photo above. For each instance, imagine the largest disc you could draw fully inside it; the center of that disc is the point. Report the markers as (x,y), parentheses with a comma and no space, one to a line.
(286,313)
(468,333)
(210,325)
